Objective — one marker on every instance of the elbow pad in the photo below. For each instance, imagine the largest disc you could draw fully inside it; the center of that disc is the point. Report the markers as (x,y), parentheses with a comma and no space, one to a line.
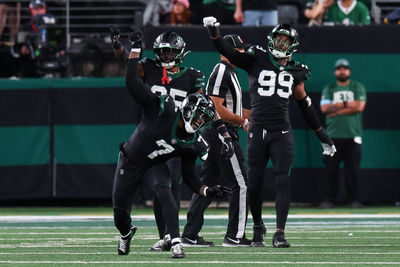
(309,113)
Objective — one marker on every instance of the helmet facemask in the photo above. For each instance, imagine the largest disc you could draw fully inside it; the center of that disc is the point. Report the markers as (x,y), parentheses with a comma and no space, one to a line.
(169,49)
(197,113)
(279,46)
(168,57)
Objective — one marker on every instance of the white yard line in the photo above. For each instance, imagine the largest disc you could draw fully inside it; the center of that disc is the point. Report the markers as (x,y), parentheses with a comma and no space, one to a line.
(108,239)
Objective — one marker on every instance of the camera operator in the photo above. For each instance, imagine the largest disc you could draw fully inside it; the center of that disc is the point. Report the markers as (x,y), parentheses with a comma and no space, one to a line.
(43,47)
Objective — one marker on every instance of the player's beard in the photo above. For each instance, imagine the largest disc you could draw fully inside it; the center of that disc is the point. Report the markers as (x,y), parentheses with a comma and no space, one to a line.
(342,78)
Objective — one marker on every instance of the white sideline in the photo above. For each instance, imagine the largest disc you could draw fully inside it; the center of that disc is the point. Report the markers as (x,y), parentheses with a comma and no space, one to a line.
(58,218)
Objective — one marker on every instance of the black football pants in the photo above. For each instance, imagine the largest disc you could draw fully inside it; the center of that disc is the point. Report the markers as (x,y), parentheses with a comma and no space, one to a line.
(263,145)
(350,153)
(127,180)
(232,173)
(174,170)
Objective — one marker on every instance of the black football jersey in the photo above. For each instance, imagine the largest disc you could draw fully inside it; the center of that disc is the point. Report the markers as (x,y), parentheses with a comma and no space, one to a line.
(185,82)
(271,86)
(156,138)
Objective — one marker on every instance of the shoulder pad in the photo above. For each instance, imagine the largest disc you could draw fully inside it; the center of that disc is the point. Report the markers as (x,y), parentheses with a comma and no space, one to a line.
(196,72)
(254,48)
(146,60)
(303,71)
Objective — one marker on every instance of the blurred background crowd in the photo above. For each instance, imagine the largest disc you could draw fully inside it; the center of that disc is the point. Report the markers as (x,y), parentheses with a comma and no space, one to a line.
(63,38)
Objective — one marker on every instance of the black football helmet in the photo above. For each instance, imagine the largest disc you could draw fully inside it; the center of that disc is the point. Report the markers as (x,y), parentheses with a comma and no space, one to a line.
(276,48)
(197,112)
(169,49)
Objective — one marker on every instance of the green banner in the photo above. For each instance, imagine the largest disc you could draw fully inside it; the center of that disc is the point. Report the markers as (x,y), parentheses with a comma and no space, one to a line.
(22,146)
(86,144)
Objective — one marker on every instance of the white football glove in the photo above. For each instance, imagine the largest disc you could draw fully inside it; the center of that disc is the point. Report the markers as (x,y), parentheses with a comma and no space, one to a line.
(210,22)
(329,150)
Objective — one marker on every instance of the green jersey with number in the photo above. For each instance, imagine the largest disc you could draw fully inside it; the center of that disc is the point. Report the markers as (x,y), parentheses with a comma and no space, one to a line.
(344,126)
(356,14)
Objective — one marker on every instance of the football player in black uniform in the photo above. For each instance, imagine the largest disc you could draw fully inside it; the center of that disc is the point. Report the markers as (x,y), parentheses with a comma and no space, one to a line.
(273,76)
(164,76)
(165,131)
(224,89)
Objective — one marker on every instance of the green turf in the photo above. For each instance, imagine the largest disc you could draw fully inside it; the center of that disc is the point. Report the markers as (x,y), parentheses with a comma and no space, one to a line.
(315,242)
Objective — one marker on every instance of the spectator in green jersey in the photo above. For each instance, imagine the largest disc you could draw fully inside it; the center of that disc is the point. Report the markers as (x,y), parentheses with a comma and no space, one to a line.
(343,103)
(347,12)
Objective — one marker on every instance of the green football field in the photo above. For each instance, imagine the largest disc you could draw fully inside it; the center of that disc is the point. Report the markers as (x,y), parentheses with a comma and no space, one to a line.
(81,236)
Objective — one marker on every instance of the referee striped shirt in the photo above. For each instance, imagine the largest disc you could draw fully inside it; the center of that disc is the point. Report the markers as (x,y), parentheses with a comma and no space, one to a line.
(223,83)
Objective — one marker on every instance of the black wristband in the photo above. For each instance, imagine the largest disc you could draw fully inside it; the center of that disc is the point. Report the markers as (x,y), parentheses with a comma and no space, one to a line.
(344,104)
(323,137)
(222,130)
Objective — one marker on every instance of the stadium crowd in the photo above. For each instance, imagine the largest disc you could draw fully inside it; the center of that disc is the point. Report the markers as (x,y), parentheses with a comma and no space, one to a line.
(24,54)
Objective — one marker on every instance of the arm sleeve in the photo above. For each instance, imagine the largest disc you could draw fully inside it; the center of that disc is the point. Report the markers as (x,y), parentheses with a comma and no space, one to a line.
(309,113)
(123,57)
(189,173)
(139,91)
(241,60)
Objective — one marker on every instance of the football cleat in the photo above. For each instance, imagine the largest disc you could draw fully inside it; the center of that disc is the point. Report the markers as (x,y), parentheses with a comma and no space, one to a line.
(236,242)
(279,240)
(177,251)
(259,232)
(162,244)
(196,242)
(124,245)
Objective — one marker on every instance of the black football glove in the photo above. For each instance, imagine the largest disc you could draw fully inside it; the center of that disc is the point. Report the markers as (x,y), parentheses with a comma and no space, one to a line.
(227,148)
(212,25)
(115,35)
(217,191)
(136,39)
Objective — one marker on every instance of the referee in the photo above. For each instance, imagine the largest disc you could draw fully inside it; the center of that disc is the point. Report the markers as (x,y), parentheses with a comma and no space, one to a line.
(224,89)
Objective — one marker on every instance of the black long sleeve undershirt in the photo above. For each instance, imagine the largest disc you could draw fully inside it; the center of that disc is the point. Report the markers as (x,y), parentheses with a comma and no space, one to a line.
(139,91)
(241,60)
(189,174)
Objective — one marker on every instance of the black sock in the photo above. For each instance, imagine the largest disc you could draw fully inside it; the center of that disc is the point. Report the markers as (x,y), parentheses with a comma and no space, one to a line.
(282,201)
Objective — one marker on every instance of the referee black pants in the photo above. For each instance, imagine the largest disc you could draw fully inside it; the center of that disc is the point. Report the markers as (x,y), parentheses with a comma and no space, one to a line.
(350,153)
(232,173)
(263,145)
